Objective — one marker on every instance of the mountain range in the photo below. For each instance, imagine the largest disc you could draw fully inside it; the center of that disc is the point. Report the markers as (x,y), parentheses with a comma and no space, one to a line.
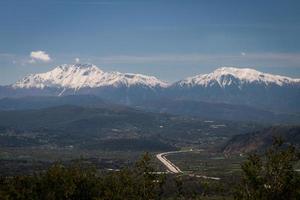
(227,85)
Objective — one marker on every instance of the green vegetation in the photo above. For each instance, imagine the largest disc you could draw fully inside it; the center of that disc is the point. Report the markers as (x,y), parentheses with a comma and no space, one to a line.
(213,164)
(270,177)
(273,178)
(109,141)
(85,182)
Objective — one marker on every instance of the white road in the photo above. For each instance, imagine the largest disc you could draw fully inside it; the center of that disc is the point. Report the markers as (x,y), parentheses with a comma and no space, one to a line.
(171,167)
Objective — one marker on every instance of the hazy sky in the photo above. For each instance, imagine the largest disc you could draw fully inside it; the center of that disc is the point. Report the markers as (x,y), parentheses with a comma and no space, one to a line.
(167,38)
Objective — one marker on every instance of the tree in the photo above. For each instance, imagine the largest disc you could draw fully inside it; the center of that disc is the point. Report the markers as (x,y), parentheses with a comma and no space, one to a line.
(147,177)
(271,177)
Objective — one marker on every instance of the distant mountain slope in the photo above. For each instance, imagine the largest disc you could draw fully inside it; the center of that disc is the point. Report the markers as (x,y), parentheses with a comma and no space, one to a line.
(243,87)
(204,110)
(85,127)
(38,102)
(221,111)
(105,128)
(260,140)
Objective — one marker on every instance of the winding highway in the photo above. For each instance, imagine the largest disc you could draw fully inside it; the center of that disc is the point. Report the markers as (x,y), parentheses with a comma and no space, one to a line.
(172,168)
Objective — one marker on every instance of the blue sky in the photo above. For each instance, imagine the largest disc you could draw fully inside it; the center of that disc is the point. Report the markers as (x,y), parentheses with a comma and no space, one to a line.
(170,39)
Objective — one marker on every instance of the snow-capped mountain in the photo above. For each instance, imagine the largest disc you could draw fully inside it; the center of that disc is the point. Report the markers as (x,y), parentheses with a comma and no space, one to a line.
(228,85)
(87,79)
(241,86)
(230,76)
(80,76)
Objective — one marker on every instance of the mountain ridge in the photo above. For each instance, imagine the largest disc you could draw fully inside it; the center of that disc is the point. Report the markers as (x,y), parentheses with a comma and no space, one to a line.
(79,76)
(227,85)
(226,76)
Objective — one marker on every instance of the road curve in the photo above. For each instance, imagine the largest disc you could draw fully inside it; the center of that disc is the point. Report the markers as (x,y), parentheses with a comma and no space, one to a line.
(171,167)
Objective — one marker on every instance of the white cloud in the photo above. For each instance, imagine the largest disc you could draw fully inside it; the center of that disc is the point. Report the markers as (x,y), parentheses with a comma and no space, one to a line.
(243,53)
(77,60)
(39,56)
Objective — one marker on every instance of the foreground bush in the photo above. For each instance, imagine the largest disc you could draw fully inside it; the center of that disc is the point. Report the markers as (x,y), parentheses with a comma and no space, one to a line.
(271,177)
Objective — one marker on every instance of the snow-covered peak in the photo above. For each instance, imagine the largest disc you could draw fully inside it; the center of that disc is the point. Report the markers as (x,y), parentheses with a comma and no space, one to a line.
(226,76)
(77,67)
(85,76)
(128,79)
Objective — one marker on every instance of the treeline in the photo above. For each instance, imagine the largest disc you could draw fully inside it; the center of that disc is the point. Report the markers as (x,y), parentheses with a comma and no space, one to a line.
(82,182)
(269,177)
